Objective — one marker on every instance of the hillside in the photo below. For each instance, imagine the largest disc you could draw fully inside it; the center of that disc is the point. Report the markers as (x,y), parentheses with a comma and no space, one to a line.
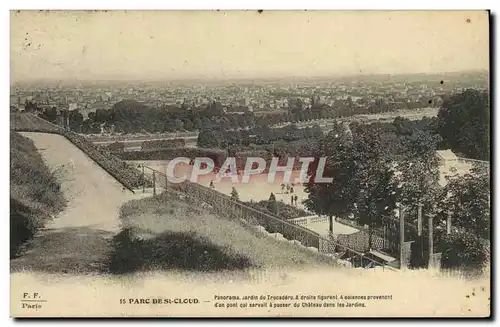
(35,193)
(170,233)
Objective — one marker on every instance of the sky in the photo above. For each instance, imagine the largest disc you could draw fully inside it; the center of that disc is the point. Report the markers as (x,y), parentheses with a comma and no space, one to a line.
(166,45)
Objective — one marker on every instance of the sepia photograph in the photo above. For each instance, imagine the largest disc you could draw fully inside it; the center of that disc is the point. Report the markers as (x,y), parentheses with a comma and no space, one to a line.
(250,163)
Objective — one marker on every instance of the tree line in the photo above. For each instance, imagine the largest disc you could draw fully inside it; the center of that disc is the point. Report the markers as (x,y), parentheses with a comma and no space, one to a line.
(463,119)
(130,116)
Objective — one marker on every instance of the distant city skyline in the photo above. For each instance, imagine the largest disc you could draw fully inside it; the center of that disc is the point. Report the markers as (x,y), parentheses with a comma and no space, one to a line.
(169,45)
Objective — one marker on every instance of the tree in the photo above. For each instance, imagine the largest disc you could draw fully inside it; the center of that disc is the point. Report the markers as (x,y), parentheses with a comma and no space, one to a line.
(102,116)
(316,131)
(467,200)
(211,138)
(30,106)
(188,125)
(234,195)
(373,179)
(50,114)
(464,123)
(75,120)
(336,197)
(418,177)
(363,182)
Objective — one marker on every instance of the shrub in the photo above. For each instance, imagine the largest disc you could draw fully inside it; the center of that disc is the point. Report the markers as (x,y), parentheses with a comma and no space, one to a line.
(163,144)
(284,211)
(464,250)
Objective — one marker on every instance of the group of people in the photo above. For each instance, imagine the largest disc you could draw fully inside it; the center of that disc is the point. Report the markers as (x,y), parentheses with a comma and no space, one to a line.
(289,188)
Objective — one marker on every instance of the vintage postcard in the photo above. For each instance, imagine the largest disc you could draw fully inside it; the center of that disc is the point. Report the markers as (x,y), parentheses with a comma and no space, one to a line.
(250,164)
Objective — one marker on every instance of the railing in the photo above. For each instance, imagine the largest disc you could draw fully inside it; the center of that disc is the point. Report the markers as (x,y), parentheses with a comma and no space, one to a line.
(308,220)
(482,163)
(224,206)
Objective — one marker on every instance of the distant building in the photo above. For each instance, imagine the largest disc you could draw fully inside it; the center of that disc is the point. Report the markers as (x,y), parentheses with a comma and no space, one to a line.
(244,102)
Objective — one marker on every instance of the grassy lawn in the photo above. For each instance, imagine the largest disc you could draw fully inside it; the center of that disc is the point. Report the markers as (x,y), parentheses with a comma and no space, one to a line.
(166,232)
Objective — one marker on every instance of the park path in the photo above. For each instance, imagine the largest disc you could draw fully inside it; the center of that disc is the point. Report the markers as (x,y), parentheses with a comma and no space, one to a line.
(77,239)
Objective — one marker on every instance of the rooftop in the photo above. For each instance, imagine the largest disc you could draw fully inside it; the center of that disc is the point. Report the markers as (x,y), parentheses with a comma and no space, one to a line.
(446,154)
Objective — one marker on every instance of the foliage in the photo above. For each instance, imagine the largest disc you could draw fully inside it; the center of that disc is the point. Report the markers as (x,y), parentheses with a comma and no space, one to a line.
(272,205)
(162,144)
(337,197)
(35,193)
(418,177)
(282,210)
(211,138)
(464,250)
(468,201)
(115,147)
(373,179)
(362,177)
(50,114)
(464,124)
(234,194)
(131,116)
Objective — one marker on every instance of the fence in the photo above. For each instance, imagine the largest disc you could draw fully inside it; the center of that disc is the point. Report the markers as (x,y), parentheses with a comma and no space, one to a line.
(224,206)
(308,220)
(474,162)
(386,237)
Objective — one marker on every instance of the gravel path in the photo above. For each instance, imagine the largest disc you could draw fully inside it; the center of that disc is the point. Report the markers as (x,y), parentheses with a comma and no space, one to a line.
(77,239)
